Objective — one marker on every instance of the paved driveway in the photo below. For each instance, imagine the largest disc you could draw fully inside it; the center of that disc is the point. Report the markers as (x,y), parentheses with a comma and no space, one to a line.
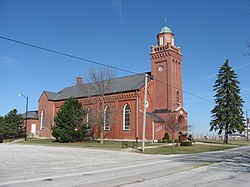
(29,162)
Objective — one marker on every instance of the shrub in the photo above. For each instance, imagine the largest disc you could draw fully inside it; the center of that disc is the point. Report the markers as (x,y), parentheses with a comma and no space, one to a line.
(186,143)
(175,141)
(166,136)
(164,140)
(159,140)
(190,138)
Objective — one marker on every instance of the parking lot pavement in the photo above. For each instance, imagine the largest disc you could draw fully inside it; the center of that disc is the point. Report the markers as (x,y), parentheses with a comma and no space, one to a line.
(30,162)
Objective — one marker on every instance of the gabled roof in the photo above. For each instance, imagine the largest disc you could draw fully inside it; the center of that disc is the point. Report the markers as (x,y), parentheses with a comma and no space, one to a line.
(117,85)
(30,115)
(155,117)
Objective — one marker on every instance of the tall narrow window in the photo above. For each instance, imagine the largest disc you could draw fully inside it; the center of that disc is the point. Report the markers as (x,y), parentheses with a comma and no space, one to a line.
(42,120)
(107,118)
(89,119)
(177,98)
(126,117)
(161,41)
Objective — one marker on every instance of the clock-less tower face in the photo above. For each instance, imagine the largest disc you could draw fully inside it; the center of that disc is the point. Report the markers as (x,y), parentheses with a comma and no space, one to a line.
(166,70)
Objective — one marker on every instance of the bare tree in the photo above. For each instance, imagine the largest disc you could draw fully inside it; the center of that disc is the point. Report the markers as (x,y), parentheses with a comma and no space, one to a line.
(173,126)
(247,53)
(100,80)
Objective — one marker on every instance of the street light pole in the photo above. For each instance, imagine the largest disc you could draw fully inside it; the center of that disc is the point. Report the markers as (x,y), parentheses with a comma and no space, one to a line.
(247,123)
(26,116)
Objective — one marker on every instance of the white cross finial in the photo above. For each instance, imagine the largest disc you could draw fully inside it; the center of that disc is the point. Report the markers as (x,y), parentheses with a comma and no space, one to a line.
(165,20)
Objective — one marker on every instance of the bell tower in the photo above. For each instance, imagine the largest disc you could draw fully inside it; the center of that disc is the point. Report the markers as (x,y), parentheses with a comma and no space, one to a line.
(166,65)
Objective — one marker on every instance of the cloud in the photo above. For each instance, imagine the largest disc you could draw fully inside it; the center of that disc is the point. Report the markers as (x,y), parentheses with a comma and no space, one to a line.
(117,5)
(9,63)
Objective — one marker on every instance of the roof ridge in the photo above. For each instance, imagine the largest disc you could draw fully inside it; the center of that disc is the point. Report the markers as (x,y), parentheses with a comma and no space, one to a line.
(89,83)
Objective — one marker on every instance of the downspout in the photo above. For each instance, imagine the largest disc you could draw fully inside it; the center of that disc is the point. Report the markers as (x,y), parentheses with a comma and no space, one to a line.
(153,131)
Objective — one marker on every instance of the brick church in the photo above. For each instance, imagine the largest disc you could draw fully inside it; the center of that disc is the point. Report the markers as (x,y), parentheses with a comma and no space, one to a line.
(124,101)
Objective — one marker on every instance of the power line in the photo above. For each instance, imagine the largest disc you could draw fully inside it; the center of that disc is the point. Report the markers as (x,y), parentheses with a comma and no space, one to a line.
(65,54)
(94,62)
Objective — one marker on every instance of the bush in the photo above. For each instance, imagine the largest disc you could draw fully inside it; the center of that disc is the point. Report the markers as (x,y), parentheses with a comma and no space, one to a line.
(159,140)
(166,137)
(175,141)
(190,138)
(164,140)
(186,143)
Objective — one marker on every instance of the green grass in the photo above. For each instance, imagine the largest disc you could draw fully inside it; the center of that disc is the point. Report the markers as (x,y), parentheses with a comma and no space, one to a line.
(165,149)
(230,142)
(197,148)
(94,144)
(114,145)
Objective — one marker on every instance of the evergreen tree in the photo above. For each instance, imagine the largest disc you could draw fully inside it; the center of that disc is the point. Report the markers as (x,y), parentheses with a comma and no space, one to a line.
(11,125)
(1,125)
(227,114)
(70,126)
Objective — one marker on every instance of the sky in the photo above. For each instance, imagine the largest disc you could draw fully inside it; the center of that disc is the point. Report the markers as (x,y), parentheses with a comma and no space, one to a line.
(120,33)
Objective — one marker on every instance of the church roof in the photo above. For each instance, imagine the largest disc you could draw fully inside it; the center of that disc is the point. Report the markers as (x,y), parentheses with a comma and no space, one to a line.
(117,85)
(155,117)
(30,115)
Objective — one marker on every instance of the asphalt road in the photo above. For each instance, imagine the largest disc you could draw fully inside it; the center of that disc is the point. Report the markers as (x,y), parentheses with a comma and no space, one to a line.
(28,165)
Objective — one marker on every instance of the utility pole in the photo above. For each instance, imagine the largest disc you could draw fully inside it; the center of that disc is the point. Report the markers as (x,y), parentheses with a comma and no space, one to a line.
(247,124)
(144,113)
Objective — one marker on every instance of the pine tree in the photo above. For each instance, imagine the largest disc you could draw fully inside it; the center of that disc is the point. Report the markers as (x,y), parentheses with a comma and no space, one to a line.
(227,114)
(11,125)
(70,125)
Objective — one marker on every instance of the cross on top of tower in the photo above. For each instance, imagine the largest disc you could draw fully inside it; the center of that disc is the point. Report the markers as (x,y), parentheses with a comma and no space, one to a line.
(165,21)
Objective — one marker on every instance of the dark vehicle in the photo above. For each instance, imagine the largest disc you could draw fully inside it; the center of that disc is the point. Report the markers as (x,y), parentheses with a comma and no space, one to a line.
(1,138)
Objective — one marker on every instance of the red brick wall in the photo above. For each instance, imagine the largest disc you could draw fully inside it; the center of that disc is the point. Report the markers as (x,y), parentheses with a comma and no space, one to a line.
(29,124)
(168,81)
(47,106)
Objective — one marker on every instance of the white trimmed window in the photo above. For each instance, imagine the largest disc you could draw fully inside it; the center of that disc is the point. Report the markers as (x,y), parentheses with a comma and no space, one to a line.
(161,41)
(89,119)
(42,120)
(126,117)
(107,118)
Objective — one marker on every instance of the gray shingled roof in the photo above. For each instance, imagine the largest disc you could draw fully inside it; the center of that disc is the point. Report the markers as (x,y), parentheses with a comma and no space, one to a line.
(30,115)
(117,85)
(155,117)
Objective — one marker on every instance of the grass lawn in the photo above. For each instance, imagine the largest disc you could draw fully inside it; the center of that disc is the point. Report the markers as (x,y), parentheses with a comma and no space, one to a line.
(94,144)
(114,145)
(197,147)
(156,148)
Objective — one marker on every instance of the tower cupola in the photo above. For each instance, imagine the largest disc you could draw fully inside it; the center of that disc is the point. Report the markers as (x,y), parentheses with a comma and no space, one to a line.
(166,36)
